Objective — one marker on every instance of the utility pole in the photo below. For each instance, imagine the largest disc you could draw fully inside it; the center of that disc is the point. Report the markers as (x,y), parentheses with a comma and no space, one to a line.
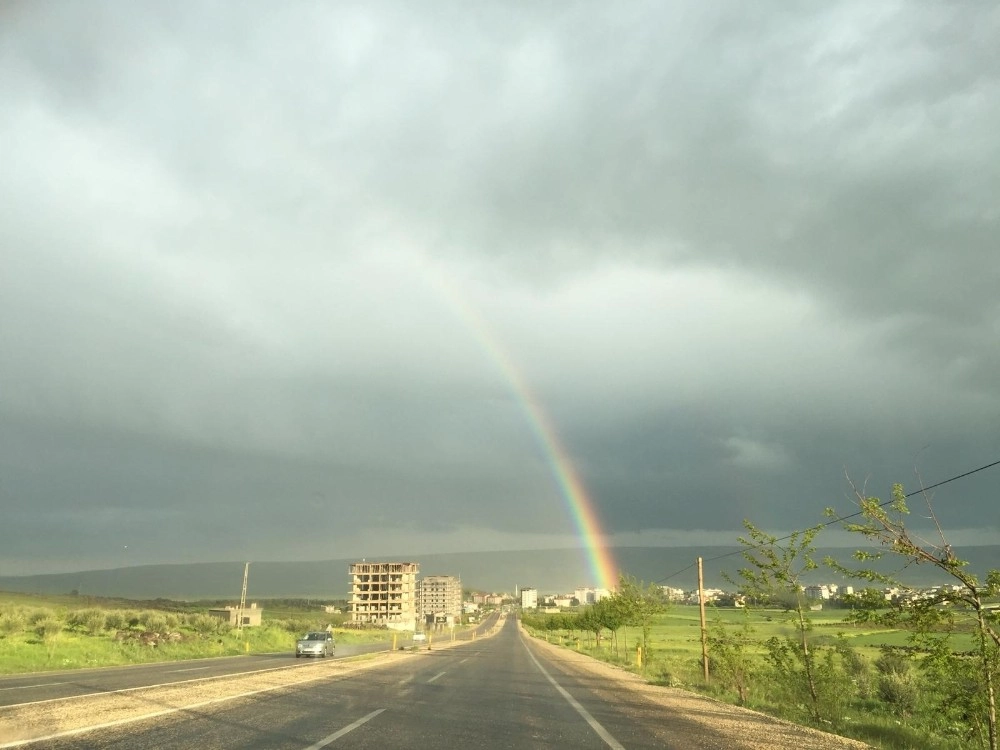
(704,630)
(243,598)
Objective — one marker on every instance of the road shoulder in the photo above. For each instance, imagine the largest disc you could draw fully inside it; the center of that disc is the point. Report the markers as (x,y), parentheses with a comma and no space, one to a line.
(689,713)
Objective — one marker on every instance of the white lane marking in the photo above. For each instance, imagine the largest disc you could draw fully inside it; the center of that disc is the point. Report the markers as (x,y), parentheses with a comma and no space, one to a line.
(189,669)
(603,733)
(40,684)
(439,674)
(349,728)
(166,684)
(465,660)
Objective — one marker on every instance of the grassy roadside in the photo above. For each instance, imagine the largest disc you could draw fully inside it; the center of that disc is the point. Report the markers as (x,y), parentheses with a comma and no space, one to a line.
(865,711)
(39,633)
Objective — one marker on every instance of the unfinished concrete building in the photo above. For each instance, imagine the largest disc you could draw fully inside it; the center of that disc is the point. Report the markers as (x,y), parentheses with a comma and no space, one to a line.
(384,593)
(441,600)
(251,615)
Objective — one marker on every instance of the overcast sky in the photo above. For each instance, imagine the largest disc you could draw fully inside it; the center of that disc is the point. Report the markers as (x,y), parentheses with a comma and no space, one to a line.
(263,263)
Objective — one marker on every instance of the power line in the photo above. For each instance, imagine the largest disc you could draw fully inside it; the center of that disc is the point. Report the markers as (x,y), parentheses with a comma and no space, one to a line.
(838,519)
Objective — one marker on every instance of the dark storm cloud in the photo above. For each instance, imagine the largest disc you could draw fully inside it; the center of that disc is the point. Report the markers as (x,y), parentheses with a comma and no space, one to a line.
(732,250)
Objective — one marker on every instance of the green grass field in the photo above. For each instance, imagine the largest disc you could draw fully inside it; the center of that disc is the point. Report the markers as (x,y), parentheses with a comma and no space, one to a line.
(39,633)
(677,633)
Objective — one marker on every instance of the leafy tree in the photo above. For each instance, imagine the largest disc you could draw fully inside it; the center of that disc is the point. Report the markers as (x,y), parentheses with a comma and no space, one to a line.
(638,604)
(933,618)
(589,622)
(775,574)
(609,616)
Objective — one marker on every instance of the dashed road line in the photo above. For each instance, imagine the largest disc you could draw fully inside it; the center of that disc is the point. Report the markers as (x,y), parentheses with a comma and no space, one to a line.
(341,732)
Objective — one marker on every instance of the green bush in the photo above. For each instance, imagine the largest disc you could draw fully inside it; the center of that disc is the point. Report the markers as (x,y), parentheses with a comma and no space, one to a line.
(40,615)
(92,621)
(47,629)
(153,621)
(892,663)
(898,691)
(12,622)
(202,624)
(115,620)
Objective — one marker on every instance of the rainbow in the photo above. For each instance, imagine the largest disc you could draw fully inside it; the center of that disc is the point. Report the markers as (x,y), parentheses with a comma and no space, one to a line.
(581,508)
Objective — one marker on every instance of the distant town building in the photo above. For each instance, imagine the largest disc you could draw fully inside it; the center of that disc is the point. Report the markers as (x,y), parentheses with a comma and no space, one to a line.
(529,598)
(673,594)
(384,593)
(440,599)
(251,615)
(817,592)
(591,596)
(562,601)
(711,595)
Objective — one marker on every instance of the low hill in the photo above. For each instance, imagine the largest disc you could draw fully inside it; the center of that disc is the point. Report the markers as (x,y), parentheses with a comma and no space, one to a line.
(550,571)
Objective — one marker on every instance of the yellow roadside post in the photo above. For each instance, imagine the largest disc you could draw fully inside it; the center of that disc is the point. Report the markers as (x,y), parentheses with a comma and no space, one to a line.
(393,641)
(430,638)
(638,656)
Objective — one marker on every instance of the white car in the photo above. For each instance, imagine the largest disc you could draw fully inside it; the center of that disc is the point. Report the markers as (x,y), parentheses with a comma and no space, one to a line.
(320,643)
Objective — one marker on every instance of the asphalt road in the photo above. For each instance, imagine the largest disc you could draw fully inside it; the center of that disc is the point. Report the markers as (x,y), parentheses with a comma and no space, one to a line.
(42,686)
(498,692)
(50,685)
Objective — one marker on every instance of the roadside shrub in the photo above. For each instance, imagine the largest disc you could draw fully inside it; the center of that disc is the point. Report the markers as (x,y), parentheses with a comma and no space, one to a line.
(892,663)
(40,615)
(734,662)
(153,621)
(857,668)
(202,624)
(115,620)
(91,621)
(898,691)
(12,622)
(47,629)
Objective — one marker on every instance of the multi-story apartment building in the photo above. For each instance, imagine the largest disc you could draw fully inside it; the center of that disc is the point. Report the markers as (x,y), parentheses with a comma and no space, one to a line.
(385,593)
(591,596)
(440,599)
(529,598)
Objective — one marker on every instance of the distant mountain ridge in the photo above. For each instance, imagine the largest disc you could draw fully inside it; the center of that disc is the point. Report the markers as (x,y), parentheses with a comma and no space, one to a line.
(550,571)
